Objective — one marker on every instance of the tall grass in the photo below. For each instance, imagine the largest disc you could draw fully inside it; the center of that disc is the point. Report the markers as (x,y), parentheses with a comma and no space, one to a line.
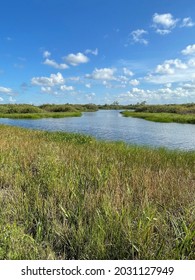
(68,196)
(40,115)
(188,108)
(162,117)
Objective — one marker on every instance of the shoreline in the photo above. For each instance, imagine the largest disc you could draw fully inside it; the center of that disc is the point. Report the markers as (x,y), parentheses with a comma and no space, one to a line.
(40,115)
(162,117)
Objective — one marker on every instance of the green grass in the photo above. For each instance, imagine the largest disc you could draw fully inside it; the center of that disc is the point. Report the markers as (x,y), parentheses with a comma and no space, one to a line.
(68,196)
(187,108)
(162,117)
(26,111)
(40,115)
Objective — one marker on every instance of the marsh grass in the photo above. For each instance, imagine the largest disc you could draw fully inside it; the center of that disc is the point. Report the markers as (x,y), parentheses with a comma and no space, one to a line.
(26,111)
(162,117)
(40,115)
(68,196)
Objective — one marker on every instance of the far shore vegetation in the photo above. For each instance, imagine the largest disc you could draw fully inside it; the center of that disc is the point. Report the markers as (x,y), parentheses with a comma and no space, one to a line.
(55,110)
(184,113)
(26,111)
(68,196)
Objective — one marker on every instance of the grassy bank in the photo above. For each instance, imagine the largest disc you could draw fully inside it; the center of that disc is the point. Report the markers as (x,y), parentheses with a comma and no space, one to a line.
(67,196)
(40,115)
(162,117)
(26,111)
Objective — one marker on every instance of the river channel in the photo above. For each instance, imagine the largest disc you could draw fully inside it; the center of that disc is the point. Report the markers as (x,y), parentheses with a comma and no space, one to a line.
(110,125)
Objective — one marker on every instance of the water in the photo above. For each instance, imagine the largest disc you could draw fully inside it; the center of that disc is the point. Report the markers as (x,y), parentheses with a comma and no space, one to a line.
(110,125)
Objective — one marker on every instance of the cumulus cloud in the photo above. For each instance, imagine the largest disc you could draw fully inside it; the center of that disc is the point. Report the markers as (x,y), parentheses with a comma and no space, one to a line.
(123,79)
(187,22)
(1,99)
(137,36)
(169,66)
(6,90)
(66,88)
(76,59)
(102,74)
(127,72)
(189,50)
(134,82)
(179,93)
(54,79)
(47,90)
(165,20)
(54,64)
(173,71)
(164,23)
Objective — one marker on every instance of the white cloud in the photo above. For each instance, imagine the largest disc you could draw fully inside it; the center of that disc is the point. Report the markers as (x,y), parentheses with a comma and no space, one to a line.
(123,79)
(46,54)
(187,22)
(169,66)
(76,59)
(173,71)
(6,90)
(102,74)
(189,86)
(164,23)
(163,31)
(168,94)
(164,20)
(54,79)
(53,63)
(1,99)
(127,72)
(135,94)
(134,82)
(47,89)
(53,90)
(191,62)
(94,52)
(138,36)
(66,88)
(189,50)
(88,85)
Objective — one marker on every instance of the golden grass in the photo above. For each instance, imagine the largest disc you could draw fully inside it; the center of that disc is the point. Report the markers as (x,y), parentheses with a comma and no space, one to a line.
(68,196)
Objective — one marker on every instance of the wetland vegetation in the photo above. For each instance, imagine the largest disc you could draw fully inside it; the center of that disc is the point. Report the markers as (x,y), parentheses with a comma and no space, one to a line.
(26,111)
(184,113)
(68,196)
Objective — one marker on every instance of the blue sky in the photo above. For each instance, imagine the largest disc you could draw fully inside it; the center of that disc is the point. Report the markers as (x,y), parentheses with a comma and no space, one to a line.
(97,51)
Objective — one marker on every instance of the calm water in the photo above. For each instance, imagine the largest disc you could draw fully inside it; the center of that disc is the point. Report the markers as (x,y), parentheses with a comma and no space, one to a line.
(110,125)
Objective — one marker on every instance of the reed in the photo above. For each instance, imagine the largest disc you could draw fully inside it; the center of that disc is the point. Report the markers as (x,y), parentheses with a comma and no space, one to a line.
(40,115)
(68,196)
(162,117)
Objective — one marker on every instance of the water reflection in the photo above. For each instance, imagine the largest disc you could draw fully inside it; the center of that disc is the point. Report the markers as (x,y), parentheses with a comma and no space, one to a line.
(109,125)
